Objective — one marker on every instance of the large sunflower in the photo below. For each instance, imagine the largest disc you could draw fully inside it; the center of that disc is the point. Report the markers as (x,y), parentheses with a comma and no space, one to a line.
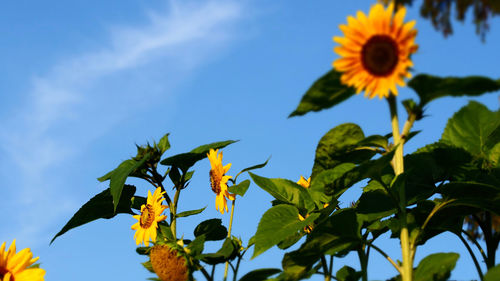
(218,180)
(375,51)
(16,267)
(151,214)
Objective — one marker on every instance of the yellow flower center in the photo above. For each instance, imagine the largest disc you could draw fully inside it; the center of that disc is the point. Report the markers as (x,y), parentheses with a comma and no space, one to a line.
(147,216)
(215,181)
(380,55)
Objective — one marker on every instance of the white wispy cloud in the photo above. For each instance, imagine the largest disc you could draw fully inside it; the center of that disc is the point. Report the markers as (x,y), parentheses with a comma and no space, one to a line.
(65,110)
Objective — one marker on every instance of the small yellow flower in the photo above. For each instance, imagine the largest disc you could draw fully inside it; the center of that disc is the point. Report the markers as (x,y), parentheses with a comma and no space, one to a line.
(308,228)
(375,51)
(151,214)
(218,180)
(14,267)
(303,182)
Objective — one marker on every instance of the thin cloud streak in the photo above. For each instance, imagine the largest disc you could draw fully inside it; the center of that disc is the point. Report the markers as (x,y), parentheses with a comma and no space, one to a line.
(57,119)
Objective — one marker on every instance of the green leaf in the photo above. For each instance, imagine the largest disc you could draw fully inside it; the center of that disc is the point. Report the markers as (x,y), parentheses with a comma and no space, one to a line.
(375,204)
(339,146)
(195,248)
(324,181)
(144,251)
(137,202)
(286,191)
(375,141)
(473,129)
(148,266)
(435,267)
(258,166)
(261,274)
(241,188)
(100,206)
(230,248)
(472,194)
(277,224)
(212,229)
(190,213)
(493,274)
(326,92)
(166,232)
(347,273)
(186,160)
(164,144)
(430,87)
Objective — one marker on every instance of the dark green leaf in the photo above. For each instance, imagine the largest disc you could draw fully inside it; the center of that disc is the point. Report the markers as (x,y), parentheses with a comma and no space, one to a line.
(326,92)
(476,195)
(190,213)
(375,141)
(430,87)
(137,202)
(347,273)
(339,146)
(473,129)
(435,267)
(286,191)
(166,232)
(277,224)
(290,240)
(324,180)
(241,188)
(144,251)
(229,250)
(493,274)
(260,274)
(100,206)
(375,204)
(195,248)
(212,229)
(186,160)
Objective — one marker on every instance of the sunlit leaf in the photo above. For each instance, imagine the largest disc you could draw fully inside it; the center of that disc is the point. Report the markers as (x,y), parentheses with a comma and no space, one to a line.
(435,267)
(241,188)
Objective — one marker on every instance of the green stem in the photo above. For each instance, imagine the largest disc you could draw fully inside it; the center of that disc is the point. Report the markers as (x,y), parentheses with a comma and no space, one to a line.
(229,235)
(396,266)
(474,241)
(240,256)
(398,165)
(173,213)
(476,263)
(363,261)
(325,269)
(330,270)
(205,273)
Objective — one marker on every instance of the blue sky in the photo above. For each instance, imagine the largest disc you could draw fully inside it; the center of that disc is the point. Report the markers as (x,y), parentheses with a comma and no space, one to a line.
(81,82)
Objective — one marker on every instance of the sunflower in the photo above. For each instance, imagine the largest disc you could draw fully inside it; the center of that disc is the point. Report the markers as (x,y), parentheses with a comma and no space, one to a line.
(151,214)
(218,180)
(375,51)
(169,264)
(303,182)
(16,267)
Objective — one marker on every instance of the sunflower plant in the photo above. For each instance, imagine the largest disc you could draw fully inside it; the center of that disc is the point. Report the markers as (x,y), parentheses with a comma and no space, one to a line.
(452,185)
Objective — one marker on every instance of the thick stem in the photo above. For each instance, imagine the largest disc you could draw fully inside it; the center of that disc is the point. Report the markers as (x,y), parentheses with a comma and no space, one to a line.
(363,261)
(471,253)
(229,235)
(398,165)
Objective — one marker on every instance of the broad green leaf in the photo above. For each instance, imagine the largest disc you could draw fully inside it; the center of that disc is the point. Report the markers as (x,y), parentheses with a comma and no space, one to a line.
(430,87)
(339,146)
(472,194)
(164,144)
(228,251)
(493,274)
(435,267)
(347,273)
(165,232)
(326,92)
(375,141)
(195,248)
(324,180)
(241,188)
(375,204)
(137,202)
(186,160)
(473,129)
(190,213)
(277,224)
(260,274)
(286,191)
(290,240)
(212,229)
(373,169)
(100,206)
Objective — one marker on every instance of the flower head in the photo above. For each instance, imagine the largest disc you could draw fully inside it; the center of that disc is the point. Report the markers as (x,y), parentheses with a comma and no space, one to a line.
(303,182)
(16,266)
(169,264)
(307,228)
(151,214)
(218,180)
(375,51)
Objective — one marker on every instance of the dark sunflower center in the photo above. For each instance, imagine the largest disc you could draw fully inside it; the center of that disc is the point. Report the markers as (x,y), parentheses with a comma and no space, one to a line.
(380,55)
(3,272)
(147,216)
(215,181)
